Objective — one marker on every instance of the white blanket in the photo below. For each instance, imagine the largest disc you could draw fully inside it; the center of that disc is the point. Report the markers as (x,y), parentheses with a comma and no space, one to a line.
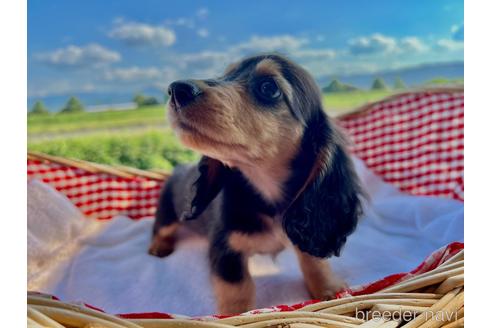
(108,265)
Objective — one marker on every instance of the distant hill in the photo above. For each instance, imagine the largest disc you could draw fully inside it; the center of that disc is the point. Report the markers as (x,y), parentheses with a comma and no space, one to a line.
(412,76)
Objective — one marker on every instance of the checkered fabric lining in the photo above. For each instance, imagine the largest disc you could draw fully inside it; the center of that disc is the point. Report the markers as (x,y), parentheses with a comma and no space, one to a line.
(100,195)
(414,141)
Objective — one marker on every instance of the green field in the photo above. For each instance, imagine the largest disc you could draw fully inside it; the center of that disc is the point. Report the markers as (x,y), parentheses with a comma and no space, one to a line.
(138,138)
(89,121)
(339,103)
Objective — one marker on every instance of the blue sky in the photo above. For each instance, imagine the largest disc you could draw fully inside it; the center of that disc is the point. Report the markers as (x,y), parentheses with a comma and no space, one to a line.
(127,45)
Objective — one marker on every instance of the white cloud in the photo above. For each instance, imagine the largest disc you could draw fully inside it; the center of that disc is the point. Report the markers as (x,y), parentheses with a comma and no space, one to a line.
(458,32)
(167,75)
(202,13)
(79,56)
(270,43)
(212,63)
(205,64)
(412,44)
(255,44)
(314,54)
(449,45)
(341,67)
(136,75)
(202,32)
(58,87)
(376,43)
(133,73)
(205,56)
(139,34)
(182,21)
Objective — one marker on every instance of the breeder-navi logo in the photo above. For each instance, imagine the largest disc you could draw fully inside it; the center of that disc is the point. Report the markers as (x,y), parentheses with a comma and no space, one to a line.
(402,314)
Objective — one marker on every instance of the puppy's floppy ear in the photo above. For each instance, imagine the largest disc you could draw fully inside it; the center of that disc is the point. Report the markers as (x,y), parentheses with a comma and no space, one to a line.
(206,187)
(327,211)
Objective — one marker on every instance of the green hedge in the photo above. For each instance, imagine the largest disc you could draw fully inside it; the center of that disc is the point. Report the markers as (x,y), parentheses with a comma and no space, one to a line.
(145,150)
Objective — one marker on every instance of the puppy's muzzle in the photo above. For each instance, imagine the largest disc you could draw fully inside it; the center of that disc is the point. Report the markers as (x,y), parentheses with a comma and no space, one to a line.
(183,92)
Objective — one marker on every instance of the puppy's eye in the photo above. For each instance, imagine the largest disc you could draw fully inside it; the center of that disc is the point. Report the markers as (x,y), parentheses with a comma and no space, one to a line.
(269,89)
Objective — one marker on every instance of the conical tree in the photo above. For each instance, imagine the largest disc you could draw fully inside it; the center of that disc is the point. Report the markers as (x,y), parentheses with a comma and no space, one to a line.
(73,106)
(399,84)
(139,99)
(334,86)
(337,86)
(39,108)
(378,84)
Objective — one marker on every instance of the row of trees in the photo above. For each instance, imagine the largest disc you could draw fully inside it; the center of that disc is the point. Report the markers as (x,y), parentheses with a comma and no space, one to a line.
(377,84)
(74,105)
(142,100)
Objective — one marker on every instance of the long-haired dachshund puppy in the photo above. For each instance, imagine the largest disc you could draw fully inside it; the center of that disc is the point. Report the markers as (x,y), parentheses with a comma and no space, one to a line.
(274,172)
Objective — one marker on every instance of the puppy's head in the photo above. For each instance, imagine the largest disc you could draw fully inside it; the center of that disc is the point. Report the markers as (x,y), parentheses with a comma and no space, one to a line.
(256,112)
(267,109)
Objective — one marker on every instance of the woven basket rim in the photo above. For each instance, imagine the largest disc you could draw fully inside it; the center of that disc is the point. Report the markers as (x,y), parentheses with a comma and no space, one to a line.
(116,170)
(440,290)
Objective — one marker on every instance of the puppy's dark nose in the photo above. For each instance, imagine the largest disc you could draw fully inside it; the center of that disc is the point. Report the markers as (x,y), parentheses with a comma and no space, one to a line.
(184,92)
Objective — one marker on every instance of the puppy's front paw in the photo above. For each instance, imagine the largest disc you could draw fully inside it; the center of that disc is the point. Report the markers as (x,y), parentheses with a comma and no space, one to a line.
(162,246)
(330,289)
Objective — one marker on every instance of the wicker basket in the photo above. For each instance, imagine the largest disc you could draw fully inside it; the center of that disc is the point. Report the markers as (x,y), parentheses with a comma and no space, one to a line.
(432,299)
(429,299)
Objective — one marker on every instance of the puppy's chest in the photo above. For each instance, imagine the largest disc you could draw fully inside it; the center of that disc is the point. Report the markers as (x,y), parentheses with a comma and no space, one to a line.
(270,240)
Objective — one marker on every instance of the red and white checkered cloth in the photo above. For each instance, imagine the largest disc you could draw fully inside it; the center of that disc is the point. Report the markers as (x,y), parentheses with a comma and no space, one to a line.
(100,195)
(414,141)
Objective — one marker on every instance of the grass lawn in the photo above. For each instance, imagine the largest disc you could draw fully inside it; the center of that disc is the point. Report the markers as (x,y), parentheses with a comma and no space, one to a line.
(342,102)
(57,123)
(138,138)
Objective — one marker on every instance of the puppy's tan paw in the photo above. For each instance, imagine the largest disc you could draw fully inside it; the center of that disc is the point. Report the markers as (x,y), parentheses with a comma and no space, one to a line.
(162,246)
(330,289)
(234,309)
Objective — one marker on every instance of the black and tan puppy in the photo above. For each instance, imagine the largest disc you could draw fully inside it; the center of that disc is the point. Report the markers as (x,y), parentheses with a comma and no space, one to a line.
(274,172)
